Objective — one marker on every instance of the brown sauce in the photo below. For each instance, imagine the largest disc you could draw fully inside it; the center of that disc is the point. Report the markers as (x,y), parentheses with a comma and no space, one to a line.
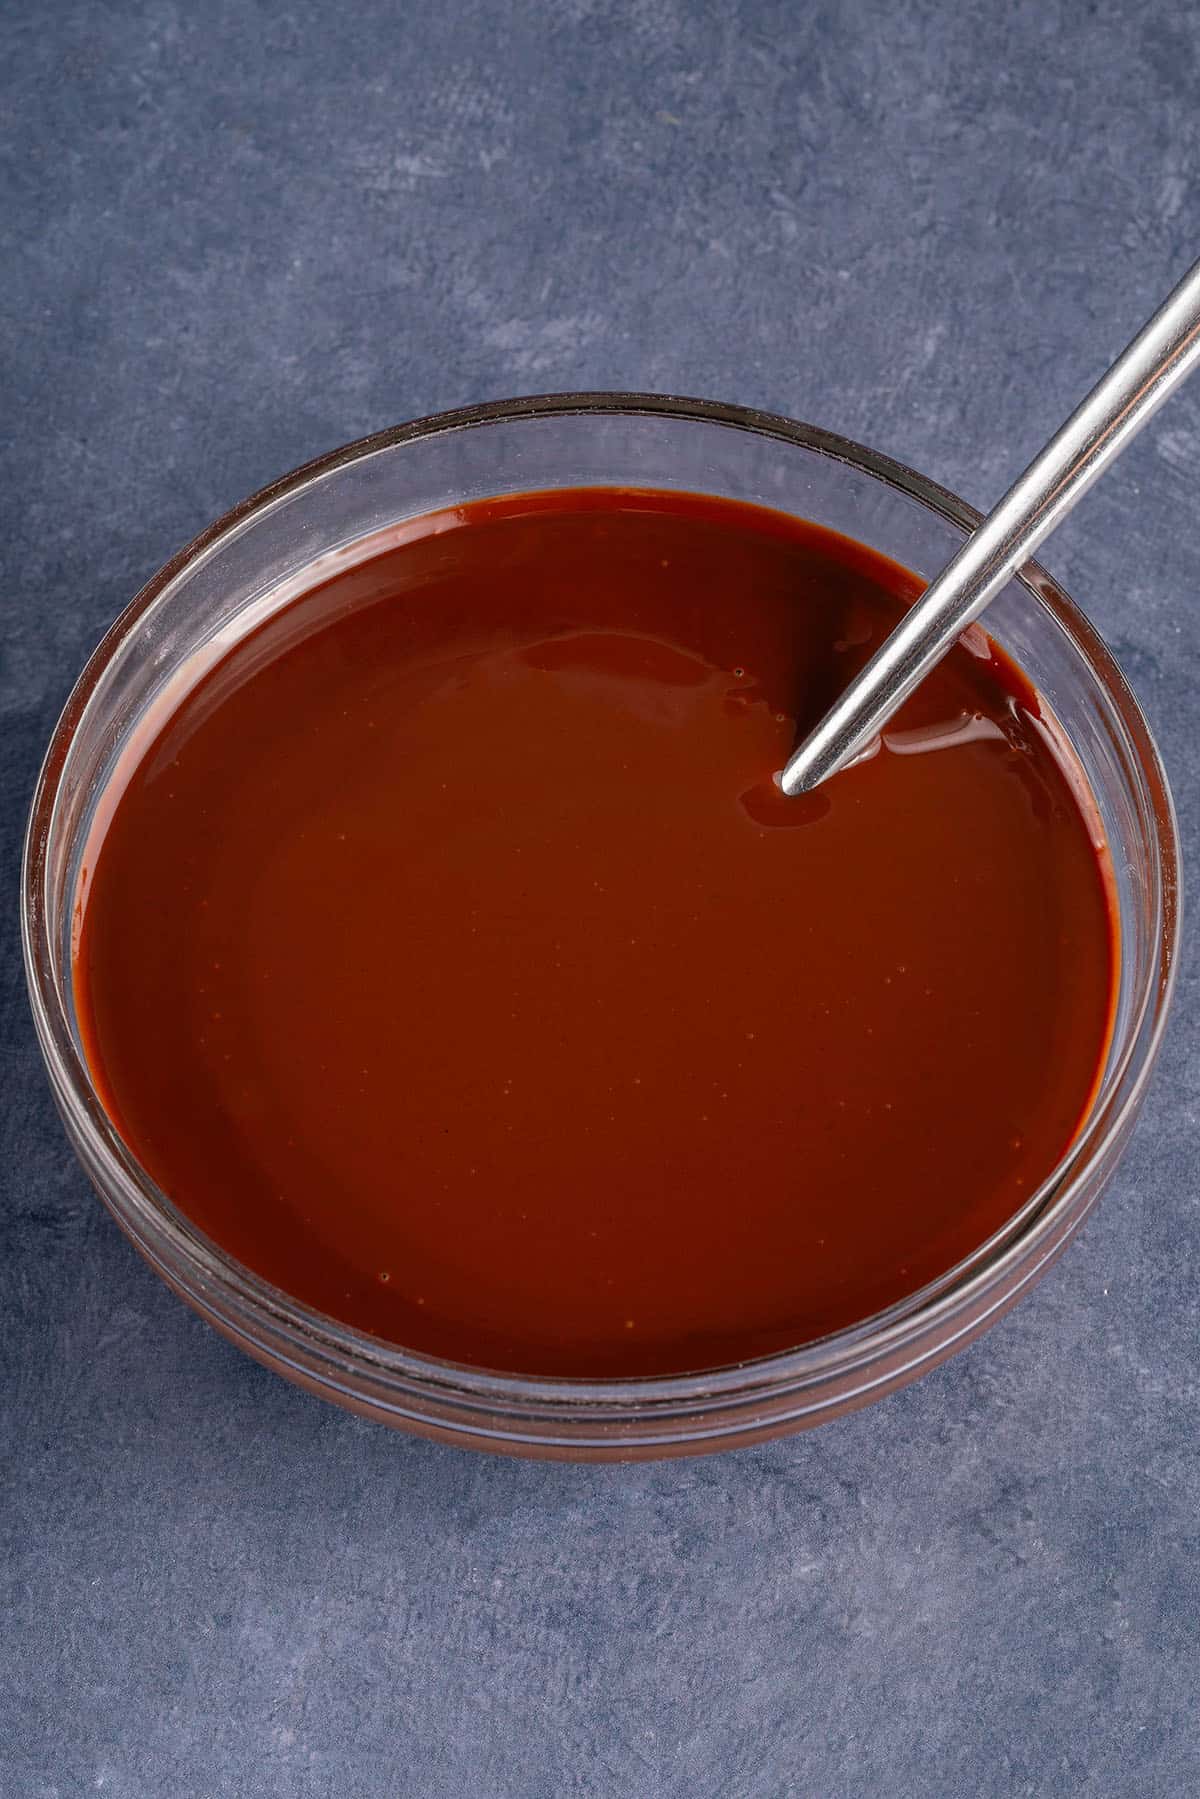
(449,957)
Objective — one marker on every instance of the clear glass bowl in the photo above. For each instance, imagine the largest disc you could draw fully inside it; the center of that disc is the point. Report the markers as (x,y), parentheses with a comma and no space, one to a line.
(265,550)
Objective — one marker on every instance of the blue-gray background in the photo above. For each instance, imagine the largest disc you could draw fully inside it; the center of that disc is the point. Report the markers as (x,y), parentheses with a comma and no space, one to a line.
(237,235)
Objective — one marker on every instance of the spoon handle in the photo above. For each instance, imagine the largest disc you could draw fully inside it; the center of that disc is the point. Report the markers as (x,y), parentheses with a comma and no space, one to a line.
(1163,353)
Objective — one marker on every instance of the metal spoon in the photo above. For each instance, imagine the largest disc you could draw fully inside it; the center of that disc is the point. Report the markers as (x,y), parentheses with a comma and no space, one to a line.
(1162,355)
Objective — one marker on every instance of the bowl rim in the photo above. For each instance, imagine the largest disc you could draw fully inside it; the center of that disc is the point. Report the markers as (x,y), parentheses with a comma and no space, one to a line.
(333,1353)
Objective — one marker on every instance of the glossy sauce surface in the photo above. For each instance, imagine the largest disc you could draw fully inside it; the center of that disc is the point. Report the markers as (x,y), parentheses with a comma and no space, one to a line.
(448,955)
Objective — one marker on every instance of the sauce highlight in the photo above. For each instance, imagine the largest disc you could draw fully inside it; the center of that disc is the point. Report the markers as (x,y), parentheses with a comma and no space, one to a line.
(449,956)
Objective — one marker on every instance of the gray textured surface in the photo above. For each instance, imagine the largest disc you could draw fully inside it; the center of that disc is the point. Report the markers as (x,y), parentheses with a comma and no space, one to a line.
(238,235)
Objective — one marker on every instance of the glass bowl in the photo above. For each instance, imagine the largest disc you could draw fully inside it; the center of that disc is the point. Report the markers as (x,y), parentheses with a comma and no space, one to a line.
(332,512)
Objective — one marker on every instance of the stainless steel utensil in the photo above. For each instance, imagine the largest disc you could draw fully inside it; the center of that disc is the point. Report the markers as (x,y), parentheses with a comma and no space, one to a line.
(1162,355)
